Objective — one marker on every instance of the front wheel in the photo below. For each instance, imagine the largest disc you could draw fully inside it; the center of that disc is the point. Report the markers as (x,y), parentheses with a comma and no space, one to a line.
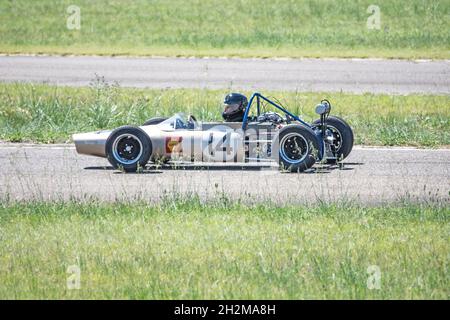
(298,147)
(342,137)
(128,148)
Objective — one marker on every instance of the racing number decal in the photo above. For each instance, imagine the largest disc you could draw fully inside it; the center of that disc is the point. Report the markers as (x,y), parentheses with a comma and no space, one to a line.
(223,145)
(210,141)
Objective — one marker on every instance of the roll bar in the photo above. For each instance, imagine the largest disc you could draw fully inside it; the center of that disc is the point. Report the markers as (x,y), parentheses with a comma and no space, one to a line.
(258,97)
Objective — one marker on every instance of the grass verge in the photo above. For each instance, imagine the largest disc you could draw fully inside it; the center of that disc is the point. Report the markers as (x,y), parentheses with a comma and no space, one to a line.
(189,250)
(43,113)
(268,28)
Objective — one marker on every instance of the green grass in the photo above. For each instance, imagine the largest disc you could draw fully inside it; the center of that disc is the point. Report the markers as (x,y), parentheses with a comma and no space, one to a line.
(189,250)
(42,113)
(263,28)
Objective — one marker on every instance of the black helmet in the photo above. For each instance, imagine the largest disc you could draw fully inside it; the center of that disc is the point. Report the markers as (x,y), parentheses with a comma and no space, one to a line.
(234,107)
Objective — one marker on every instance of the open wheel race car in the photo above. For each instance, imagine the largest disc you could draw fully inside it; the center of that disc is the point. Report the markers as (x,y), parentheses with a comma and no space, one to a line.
(265,137)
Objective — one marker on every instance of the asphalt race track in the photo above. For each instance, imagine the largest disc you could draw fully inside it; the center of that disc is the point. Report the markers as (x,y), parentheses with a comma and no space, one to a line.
(369,176)
(353,75)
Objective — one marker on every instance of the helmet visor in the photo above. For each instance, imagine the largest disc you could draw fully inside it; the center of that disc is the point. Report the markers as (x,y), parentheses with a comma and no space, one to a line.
(230,108)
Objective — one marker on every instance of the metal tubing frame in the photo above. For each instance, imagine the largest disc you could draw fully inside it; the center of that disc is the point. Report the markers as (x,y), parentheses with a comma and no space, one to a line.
(258,97)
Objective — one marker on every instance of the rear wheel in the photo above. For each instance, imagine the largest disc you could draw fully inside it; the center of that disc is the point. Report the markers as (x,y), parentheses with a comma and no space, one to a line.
(297,148)
(342,135)
(128,148)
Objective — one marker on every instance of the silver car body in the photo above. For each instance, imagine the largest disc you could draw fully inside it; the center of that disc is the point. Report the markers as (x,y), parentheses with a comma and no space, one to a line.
(208,142)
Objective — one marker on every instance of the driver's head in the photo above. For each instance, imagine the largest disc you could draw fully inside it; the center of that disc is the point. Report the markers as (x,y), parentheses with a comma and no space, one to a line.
(234,106)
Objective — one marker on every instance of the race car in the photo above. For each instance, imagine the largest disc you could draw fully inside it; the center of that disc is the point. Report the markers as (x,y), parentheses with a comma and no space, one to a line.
(244,136)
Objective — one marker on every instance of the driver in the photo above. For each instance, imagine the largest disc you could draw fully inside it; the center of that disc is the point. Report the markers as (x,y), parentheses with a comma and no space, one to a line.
(234,107)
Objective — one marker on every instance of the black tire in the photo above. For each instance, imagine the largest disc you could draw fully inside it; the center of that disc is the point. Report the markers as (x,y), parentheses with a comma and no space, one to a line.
(296,147)
(128,148)
(344,136)
(153,121)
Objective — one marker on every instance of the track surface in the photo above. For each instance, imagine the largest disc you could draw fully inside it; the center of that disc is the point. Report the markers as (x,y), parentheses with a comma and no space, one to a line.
(356,75)
(369,176)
